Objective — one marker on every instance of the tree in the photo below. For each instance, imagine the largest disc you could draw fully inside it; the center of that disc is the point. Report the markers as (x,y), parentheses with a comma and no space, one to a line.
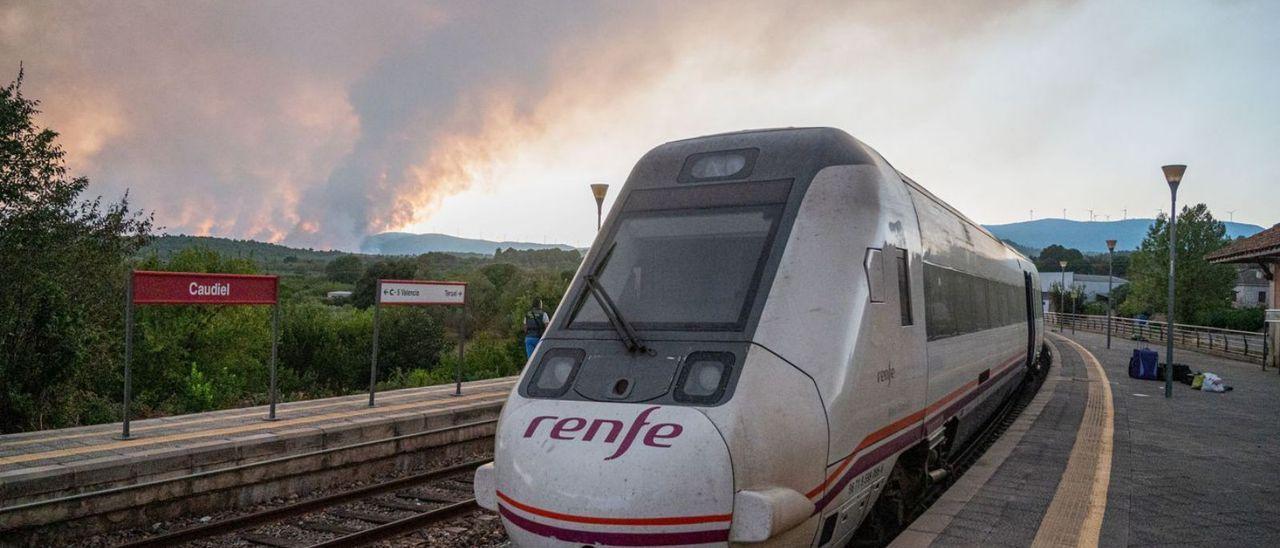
(1050,256)
(345,269)
(1202,287)
(386,269)
(62,267)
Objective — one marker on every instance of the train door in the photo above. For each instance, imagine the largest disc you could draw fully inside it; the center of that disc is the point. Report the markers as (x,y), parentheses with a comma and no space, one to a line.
(1032,301)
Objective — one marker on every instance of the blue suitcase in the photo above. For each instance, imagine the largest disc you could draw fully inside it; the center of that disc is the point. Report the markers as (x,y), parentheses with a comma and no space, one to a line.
(1143,364)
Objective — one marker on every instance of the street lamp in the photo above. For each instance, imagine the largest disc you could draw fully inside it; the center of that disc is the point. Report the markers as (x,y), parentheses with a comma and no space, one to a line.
(1062,294)
(598,190)
(1111,254)
(1172,175)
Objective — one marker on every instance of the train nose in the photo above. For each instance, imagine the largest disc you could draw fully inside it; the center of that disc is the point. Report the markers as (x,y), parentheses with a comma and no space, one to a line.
(575,473)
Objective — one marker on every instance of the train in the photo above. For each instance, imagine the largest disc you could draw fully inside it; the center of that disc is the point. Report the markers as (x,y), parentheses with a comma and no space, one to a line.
(776,338)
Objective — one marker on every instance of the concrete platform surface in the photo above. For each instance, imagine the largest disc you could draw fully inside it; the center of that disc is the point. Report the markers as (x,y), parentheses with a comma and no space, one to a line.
(1099,458)
(55,463)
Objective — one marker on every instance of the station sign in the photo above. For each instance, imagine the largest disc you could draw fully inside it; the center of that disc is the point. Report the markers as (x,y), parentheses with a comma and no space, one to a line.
(198,288)
(416,292)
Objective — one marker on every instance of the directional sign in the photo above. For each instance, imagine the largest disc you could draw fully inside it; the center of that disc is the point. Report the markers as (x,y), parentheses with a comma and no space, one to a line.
(197,288)
(415,292)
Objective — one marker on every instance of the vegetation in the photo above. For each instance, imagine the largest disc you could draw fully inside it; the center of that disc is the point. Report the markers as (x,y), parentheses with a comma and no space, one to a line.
(1203,289)
(63,265)
(1050,258)
(62,270)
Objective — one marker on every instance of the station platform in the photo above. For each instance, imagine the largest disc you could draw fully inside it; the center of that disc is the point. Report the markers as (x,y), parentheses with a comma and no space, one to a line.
(206,460)
(1099,458)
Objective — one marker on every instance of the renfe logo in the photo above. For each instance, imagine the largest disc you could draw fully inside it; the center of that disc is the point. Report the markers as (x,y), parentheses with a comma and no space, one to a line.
(565,428)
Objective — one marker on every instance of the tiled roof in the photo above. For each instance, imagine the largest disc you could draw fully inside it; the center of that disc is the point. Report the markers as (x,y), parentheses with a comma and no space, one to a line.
(1265,244)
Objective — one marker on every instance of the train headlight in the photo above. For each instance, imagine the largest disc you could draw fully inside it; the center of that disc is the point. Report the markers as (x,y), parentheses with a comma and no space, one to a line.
(555,372)
(721,165)
(704,377)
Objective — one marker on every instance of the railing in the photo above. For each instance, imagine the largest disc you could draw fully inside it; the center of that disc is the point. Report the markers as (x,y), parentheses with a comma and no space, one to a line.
(1229,342)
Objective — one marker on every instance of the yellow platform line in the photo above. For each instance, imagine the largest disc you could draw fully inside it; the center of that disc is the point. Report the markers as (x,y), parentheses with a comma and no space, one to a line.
(1074,517)
(291,407)
(257,426)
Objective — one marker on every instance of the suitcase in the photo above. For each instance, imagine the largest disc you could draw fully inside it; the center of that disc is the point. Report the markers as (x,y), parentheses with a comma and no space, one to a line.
(1143,364)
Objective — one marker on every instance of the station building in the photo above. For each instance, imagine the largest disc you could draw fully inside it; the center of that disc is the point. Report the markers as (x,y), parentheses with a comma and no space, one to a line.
(1262,250)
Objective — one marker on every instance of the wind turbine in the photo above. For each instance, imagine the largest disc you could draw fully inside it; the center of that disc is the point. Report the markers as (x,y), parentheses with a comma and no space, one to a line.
(1231,215)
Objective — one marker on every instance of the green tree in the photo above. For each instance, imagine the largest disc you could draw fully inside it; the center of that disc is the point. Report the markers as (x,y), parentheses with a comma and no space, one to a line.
(345,269)
(386,269)
(62,267)
(1202,287)
(1050,256)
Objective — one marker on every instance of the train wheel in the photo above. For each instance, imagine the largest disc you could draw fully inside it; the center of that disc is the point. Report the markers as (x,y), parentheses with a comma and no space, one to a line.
(898,501)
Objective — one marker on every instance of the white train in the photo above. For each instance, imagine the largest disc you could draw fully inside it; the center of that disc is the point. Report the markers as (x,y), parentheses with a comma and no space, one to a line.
(775,337)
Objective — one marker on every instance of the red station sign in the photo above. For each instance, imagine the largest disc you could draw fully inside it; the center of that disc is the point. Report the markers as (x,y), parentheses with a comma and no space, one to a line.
(196,288)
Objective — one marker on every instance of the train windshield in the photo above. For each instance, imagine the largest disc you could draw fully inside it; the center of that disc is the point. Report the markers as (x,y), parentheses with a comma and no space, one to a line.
(685,269)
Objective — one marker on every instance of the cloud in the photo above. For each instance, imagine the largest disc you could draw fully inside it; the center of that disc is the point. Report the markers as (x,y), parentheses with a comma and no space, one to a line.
(319,123)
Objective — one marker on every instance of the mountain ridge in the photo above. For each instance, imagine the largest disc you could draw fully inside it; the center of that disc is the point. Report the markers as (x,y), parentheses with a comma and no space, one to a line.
(409,243)
(1091,236)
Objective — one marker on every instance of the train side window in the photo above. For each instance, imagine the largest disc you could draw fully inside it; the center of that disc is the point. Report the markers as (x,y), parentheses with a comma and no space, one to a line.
(904,288)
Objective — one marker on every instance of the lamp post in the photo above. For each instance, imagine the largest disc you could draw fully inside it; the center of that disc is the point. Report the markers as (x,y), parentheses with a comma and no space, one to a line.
(1062,294)
(598,190)
(1111,255)
(1172,175)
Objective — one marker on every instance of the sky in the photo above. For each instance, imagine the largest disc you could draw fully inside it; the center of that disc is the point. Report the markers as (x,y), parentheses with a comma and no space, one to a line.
(316,124)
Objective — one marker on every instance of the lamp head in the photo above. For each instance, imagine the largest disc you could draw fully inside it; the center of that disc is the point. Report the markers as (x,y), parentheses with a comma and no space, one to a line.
(598,190)
(1173,174)
(1111,245)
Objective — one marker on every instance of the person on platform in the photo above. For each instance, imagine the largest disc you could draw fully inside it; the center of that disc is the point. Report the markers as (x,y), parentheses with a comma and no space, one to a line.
(535,324)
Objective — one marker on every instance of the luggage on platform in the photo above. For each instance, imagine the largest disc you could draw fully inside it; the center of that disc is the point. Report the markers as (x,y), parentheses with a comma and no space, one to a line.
(1143,364)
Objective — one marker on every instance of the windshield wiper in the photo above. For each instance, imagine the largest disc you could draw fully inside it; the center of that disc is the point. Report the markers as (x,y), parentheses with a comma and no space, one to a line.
(628,335)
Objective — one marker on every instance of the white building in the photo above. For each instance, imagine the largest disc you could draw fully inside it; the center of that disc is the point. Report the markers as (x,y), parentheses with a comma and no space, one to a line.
(1091,285)
(1251,287)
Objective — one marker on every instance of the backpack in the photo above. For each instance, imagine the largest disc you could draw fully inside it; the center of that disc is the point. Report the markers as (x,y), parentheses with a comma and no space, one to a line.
(533,324)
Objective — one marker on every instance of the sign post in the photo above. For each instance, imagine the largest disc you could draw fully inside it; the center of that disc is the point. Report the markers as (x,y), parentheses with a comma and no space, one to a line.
(418,293)
(128,351)
(169,288)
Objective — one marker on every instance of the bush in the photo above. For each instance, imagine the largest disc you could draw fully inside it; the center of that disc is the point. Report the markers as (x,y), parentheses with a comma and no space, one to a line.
(1241,319)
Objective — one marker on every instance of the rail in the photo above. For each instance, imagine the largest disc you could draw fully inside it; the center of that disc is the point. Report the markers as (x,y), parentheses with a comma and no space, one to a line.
(1228,342)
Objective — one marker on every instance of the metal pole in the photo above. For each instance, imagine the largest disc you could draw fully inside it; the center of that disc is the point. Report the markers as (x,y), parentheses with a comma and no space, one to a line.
(462,351)
(1173,260)
(128,351)
(373,365)
(1266,334)
(275,345)
(1073,308)
(1062,298)
(1110,288)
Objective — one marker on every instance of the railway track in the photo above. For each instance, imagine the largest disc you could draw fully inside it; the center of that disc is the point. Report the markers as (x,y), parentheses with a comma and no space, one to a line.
(356,517)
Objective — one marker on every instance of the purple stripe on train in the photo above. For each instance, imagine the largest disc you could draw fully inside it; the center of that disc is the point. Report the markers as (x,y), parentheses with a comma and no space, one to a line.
(614,538)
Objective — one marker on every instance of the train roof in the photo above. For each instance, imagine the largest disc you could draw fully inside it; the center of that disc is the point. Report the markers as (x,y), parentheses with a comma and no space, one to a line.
(784,153)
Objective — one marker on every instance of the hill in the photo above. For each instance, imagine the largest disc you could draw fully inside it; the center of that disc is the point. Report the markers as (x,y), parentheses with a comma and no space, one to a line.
(1090,237)
(404,243)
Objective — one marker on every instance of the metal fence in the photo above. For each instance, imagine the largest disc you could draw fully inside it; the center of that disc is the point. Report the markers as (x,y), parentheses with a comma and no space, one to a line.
(1246,345)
